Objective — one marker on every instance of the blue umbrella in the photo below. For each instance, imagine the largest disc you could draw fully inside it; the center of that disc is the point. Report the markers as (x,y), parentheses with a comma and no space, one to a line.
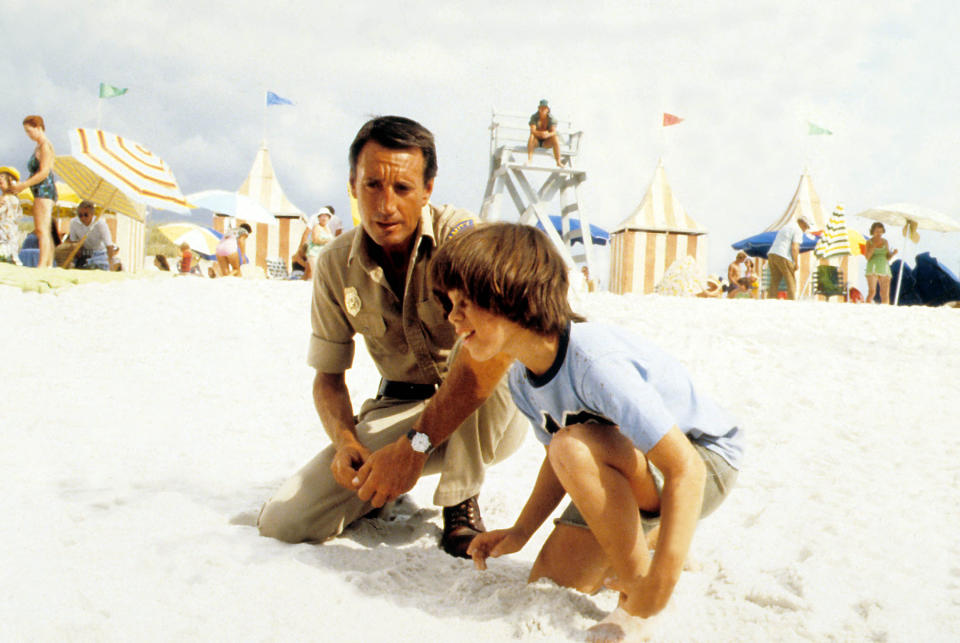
(759,244)
(597,234)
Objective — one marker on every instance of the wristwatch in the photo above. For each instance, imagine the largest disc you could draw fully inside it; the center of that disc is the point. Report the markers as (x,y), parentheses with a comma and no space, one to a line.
(420,442)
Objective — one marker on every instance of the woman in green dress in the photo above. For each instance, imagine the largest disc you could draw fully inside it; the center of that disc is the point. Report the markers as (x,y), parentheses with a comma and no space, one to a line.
(878,256)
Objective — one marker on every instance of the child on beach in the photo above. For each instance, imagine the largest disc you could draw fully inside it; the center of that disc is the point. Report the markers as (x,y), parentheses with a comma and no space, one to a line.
(10,214)
(627,435)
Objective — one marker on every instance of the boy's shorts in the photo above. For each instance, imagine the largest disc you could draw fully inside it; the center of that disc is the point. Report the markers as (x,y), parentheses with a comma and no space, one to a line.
(719,481)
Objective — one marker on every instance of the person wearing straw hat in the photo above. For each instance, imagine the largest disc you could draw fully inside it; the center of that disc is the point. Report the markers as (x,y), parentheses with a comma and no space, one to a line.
(784,255)
(98,247)
(10,214)
(543,133)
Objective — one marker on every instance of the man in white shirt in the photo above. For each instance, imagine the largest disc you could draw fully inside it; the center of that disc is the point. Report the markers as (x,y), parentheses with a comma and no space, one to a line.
(783,256)
(98,245)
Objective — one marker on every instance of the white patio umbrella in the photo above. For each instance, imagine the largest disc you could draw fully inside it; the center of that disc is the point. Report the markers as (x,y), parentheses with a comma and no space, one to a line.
(233,204)
(127,166)
(911,217)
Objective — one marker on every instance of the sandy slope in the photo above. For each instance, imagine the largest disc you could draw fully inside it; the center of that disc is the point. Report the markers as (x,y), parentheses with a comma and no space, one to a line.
(143,423)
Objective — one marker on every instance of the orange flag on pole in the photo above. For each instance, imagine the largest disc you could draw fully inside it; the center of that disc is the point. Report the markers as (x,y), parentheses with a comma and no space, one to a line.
(670,119)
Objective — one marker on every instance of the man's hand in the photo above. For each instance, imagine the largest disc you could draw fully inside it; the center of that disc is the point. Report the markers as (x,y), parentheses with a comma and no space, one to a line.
(498,542)
(389,472)
(347,463)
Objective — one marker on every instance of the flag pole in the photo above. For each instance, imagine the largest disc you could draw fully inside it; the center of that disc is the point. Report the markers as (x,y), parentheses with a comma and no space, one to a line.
(99,110)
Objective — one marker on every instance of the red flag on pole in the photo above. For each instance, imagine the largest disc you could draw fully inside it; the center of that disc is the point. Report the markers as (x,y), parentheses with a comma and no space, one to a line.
(670,119)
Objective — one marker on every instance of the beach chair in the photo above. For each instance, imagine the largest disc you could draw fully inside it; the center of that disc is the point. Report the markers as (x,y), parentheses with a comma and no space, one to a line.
(828,281)
(276,269)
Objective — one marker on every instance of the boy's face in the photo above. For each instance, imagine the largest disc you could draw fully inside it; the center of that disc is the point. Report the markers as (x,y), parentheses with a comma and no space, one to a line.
(484,333)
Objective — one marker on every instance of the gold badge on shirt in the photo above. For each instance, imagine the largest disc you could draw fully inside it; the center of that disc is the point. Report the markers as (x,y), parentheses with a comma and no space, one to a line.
(351,300)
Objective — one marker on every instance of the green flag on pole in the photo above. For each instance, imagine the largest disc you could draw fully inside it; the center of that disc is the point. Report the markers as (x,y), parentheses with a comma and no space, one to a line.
(816,129)
(109,91)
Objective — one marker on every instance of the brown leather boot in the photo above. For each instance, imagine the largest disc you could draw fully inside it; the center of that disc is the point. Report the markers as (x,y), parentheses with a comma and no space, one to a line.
(461,523)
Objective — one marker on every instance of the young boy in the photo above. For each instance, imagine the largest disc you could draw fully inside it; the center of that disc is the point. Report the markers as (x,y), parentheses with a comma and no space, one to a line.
(627,435)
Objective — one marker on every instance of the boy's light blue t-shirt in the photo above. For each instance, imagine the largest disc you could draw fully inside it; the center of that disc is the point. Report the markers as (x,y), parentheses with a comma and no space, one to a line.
(605,374)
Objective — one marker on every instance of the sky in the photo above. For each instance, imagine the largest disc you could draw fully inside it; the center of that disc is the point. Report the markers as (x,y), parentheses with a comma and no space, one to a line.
(746,77)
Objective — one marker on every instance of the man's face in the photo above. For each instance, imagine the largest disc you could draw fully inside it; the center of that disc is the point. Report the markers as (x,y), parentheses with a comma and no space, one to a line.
(543,110)
(85,214)
(390,191)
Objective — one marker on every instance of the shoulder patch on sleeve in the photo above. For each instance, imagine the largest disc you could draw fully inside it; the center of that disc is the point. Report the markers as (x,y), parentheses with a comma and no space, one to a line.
(460,228)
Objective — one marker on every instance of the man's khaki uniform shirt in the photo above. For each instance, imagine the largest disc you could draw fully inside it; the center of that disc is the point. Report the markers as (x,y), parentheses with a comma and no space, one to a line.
(409,340)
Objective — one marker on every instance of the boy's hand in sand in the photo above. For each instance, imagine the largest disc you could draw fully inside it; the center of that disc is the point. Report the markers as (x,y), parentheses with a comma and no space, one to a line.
(498,542)
(643,596)
(389,473)
(347,462)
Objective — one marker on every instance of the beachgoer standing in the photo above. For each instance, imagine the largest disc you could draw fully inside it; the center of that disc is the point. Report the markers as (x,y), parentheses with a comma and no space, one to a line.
(878,256)
(784,255)
(641,452)
(437,409)
(232,251)
(43,186)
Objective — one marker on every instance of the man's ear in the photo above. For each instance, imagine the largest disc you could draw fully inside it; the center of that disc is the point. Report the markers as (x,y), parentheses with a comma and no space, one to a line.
(428,190)
(352,185)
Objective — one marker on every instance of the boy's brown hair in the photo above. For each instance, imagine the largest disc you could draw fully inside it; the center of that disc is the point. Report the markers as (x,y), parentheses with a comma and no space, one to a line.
(509,269)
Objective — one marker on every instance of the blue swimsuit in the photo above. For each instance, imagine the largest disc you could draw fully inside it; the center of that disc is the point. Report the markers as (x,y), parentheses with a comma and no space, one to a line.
(45,189)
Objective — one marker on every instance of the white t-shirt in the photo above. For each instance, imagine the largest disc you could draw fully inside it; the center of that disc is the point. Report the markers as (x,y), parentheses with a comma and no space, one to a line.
(98,234)
(787,236)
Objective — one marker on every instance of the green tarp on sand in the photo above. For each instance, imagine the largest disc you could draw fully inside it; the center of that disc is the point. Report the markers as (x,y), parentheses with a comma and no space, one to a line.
(52,279)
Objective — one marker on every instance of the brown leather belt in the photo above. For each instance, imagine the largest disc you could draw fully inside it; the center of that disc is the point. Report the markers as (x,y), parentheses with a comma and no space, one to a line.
(405,390)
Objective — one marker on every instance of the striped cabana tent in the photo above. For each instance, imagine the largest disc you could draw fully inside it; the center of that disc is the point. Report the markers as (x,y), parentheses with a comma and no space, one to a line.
(806,202)
(657,233)
(275,240)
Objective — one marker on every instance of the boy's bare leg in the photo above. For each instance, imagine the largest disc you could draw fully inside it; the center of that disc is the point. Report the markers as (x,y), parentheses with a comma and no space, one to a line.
(572,557)
(531,144)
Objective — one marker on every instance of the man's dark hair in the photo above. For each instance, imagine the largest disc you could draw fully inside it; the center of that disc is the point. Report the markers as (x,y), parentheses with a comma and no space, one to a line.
(396,133)
(509,269)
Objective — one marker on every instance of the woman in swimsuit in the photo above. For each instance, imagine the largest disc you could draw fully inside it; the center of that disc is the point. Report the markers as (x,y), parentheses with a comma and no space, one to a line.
(232,250)
(41,183)
(878,256)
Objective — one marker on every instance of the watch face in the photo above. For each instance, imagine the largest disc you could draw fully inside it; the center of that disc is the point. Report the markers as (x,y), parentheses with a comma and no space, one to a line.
(420,442)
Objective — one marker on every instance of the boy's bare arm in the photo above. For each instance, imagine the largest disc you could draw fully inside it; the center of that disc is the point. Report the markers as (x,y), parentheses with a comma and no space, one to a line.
(395,469)
(684,474)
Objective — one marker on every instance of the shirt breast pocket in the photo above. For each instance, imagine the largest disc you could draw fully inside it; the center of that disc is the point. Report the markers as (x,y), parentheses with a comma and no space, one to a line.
(369,324)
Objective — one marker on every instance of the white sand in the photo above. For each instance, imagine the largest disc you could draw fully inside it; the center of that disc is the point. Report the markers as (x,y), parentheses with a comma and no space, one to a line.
(144,422)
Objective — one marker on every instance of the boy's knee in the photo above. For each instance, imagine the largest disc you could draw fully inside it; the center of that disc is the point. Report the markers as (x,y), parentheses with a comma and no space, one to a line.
(569,445)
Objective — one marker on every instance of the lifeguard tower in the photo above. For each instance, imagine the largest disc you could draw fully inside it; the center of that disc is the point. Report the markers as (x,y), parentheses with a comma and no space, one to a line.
(509,170)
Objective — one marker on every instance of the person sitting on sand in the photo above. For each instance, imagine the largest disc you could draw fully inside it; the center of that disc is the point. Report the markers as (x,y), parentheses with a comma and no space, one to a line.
(300,267)
(878,256)
(232,251)
(627,435)
(738,274)
(10,214)
(98,247)
(543,133)
(187,264)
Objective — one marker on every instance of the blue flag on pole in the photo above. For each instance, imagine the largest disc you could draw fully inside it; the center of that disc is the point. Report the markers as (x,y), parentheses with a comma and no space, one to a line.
(273,99)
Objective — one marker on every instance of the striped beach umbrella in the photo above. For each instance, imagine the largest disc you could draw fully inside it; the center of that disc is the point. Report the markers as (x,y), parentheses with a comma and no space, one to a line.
(835,241)
(201,239)
(127,166)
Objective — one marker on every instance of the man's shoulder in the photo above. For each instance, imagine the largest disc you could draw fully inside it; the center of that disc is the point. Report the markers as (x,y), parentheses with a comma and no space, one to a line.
(450,221)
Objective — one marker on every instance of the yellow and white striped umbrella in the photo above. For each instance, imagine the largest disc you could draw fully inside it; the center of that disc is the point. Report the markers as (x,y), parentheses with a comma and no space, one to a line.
(126,165)
(200,238)
(90,185)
